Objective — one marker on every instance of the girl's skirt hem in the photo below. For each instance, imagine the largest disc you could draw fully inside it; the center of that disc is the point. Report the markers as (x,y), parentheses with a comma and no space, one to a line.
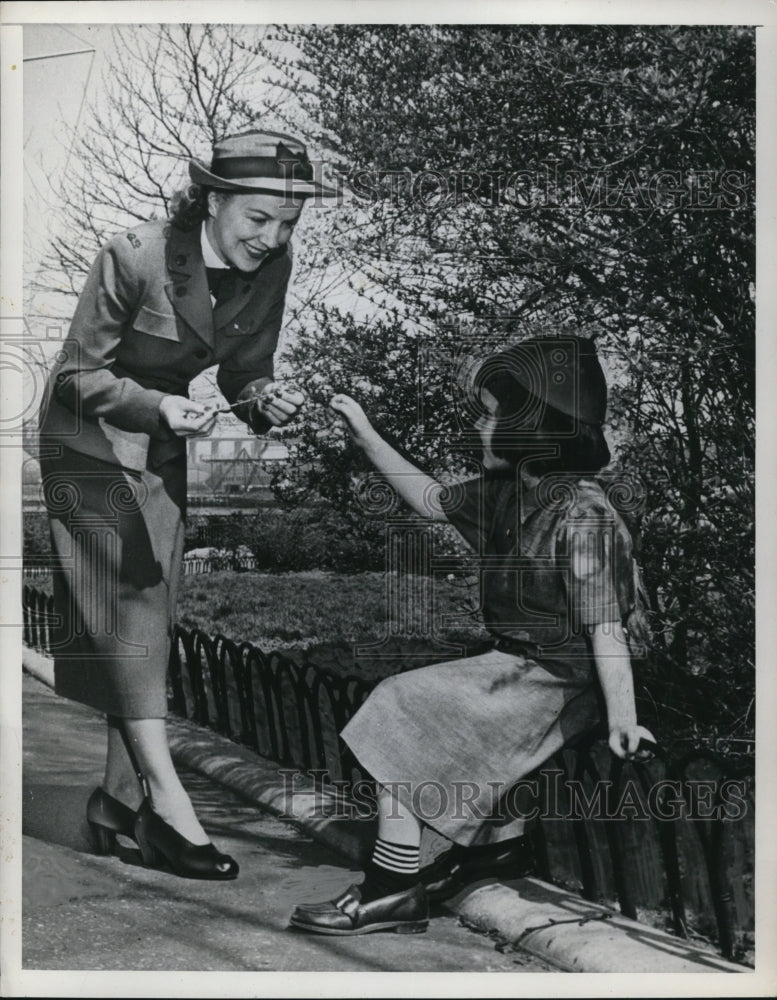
(452,741)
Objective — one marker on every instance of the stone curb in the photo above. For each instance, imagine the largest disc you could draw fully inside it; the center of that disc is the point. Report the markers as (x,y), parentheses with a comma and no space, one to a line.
(553,924)
(41,667)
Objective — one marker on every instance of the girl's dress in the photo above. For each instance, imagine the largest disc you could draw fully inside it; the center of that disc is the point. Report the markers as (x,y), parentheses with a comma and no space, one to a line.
(451,740)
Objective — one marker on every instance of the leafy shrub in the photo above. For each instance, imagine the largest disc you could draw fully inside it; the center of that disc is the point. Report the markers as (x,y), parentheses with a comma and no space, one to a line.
(309,538)
(288,541)
(37,541)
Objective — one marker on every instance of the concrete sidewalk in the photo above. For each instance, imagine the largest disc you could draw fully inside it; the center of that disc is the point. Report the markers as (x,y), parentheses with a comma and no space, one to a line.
(84,913)
(556,926)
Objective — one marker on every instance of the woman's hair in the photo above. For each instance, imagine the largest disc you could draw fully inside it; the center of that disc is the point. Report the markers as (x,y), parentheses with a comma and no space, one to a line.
(527,425)
(189,207)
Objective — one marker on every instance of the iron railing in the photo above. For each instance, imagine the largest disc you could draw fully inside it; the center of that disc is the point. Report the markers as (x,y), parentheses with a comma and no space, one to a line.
(191,566)
(38,618)
(290,709)
(286,710)
(212,564)
(33,572)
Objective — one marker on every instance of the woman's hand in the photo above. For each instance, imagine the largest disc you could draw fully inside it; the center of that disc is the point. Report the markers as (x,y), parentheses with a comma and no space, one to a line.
(279,403)
(624,740)
(187,418)
(355,418)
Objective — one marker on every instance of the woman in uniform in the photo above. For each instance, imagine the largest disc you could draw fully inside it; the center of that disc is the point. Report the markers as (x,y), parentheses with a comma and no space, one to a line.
(162,302)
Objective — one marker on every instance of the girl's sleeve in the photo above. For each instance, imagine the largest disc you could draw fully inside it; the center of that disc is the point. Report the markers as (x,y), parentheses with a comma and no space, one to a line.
(600,570)
(465,505)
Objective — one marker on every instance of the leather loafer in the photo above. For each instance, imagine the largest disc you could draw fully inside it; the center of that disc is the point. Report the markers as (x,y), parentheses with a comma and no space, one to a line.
(458,867)
(404,912)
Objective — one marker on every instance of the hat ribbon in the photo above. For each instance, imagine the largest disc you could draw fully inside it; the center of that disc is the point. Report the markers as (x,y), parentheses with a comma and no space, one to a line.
(285,165)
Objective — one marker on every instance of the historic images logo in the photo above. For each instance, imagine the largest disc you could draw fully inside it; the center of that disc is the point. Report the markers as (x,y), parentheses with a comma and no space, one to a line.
(665,800)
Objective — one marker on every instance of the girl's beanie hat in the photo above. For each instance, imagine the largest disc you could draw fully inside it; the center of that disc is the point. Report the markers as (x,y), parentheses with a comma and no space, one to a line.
(563,372)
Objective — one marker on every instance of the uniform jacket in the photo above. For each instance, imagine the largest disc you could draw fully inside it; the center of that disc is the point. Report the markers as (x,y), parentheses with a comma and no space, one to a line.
(144,327)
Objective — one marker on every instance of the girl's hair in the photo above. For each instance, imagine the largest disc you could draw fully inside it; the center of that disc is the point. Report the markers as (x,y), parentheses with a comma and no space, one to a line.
(527,425)
(189,207)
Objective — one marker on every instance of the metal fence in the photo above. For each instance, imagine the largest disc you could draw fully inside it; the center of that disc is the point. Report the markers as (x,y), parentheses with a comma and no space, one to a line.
(693,862)
(191,567)
(39,572)
(213,564)
(286,710)
(38,618)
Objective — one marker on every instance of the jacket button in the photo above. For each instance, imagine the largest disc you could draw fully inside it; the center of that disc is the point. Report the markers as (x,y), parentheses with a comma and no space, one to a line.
(180,259)
(180,290)
(201,353)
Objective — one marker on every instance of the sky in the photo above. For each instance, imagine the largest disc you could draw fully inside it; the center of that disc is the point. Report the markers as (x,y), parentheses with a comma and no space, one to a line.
(57,86)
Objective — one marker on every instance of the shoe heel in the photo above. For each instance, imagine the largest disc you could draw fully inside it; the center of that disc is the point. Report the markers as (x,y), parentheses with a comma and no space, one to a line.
(106,817)
(103,838)
(152,858)
(416,927)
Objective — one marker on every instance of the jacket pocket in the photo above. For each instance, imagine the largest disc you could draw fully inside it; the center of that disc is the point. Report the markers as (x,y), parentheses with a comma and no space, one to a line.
(156,324)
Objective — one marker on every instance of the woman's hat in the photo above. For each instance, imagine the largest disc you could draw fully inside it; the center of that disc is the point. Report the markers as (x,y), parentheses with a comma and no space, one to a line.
(260,161)
(563,372)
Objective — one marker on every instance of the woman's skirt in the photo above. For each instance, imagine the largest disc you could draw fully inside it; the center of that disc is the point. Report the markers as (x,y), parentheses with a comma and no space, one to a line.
(451,741)
(117,538)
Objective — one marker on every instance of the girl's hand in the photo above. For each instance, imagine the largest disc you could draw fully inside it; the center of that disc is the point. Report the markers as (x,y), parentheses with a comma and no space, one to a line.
(187,418)
(624,740)
(354,416)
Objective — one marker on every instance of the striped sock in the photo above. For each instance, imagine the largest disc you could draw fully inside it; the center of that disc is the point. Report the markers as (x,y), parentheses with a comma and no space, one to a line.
(393,868)
(400,859)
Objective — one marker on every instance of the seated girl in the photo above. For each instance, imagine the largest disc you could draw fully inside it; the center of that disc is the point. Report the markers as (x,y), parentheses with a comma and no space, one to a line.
(449,741)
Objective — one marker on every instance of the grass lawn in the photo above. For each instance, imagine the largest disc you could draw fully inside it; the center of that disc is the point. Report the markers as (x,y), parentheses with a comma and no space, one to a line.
(282,610)
(306,609)
(410,619)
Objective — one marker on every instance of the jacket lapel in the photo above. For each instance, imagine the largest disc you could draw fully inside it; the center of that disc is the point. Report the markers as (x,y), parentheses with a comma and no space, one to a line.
(187,288)
(225,313)
(239,315)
